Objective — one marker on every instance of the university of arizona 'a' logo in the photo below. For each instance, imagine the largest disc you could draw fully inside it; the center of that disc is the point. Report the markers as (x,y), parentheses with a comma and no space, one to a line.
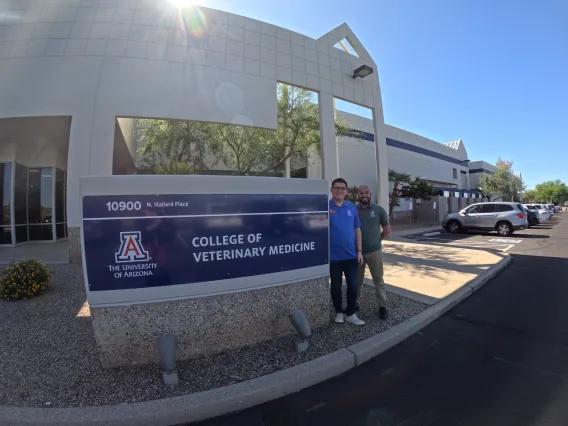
(131,249)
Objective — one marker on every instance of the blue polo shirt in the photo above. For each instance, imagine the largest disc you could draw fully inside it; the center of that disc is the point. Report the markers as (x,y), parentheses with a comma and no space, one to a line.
(343,221)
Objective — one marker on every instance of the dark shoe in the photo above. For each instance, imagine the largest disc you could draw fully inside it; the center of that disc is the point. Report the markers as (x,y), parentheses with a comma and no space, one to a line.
(383,313)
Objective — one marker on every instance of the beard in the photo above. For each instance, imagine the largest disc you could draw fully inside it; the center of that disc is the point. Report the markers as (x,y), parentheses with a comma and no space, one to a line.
(364,200)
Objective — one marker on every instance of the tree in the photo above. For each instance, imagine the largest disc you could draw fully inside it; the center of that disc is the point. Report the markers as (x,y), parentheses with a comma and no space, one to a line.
(418,189)
(503,182)
(399,180)
(484,194)
(529,196)
(164,144)
(552,192)
(241,150)
(353,194)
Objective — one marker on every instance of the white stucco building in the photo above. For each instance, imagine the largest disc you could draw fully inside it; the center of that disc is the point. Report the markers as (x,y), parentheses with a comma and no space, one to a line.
(444,165)
(73,72)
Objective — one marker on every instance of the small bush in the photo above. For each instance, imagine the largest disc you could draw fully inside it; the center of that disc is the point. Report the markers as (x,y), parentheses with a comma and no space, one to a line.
(24,279)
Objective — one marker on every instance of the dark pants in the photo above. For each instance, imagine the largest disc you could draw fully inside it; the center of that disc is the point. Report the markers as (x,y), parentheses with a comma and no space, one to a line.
(336,270)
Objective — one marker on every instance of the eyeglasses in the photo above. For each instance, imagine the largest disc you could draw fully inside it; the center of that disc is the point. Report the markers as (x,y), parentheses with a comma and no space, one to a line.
(339,188)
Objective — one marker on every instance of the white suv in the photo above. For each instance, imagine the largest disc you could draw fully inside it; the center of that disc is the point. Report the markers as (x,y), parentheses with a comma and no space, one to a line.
(505,218)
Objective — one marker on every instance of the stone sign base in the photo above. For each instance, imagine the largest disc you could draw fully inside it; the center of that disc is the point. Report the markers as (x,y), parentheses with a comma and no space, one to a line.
(126,335)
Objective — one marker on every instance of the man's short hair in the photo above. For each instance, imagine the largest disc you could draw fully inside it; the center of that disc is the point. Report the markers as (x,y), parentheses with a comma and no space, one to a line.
(339,180)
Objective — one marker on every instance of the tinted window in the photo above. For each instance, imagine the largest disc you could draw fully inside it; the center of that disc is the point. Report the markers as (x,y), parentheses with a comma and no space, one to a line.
(488,208)
(504,208)
(6,195)
(21,196)
(521,207)
(474,209)
(40,195)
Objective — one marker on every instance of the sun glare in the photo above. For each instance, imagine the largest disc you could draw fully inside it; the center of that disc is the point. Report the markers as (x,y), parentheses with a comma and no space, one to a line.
(182,4)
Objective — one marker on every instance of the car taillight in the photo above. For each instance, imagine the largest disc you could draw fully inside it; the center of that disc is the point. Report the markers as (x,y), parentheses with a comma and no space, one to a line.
(521,215)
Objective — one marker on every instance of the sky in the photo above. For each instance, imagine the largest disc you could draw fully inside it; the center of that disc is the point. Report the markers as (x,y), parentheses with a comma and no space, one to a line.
(494,73)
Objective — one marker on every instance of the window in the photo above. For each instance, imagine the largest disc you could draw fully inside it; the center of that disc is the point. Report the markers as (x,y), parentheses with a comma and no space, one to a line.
(59,196)
(21,195)
(488,208)
(40,203)
(505,208)
(474,209)
(521,207)
(455,173)
(6,198)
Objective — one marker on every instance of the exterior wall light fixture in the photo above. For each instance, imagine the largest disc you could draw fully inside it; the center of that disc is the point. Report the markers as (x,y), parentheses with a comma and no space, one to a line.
(363,71)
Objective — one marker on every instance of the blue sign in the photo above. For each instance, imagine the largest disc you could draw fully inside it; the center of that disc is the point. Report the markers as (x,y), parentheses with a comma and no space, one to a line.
(142,241)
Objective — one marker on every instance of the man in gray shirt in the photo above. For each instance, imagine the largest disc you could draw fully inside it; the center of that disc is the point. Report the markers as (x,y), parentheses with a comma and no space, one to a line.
(373,217)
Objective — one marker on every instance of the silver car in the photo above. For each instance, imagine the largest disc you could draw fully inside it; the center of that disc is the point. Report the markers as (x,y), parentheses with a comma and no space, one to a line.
(505,218)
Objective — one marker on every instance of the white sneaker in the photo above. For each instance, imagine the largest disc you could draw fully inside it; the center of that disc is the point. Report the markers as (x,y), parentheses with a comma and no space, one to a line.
(355,320)
(339,318)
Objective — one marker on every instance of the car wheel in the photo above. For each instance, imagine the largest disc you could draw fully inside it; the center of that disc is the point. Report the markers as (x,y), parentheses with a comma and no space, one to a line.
(454,227)
(504,229)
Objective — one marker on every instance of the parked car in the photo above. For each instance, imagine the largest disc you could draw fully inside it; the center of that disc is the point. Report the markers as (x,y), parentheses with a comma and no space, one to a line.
(505,218)
(550,208)
(557,209)
(532,216)
(543,214)
(545,208)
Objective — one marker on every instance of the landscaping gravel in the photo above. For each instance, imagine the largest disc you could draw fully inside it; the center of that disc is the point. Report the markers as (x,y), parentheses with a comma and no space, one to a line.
(49,358)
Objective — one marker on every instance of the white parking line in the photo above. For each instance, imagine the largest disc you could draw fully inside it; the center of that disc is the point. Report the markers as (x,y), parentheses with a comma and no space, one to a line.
(429,234)
(512,245)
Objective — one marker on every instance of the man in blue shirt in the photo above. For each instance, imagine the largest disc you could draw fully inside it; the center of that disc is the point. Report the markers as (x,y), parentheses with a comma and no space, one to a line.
(345,251)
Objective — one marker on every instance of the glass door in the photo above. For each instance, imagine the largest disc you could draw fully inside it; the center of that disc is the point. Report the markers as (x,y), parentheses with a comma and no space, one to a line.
(6,199)
(21,203)
(40,204)
(60,213)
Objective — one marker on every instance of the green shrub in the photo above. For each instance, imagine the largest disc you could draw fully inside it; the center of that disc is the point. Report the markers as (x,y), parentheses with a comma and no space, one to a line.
(24,279)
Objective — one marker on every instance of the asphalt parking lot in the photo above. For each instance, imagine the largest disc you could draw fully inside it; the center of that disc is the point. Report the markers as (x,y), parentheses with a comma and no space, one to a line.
(491,241)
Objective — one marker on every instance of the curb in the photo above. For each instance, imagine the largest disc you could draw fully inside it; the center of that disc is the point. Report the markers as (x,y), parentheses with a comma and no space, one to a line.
(237,397)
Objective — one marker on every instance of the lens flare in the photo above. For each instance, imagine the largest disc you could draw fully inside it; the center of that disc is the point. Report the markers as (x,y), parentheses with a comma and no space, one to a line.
(192,21)
(187,3)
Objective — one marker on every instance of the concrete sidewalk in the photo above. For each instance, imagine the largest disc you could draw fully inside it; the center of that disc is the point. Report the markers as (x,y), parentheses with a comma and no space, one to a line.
(428,272)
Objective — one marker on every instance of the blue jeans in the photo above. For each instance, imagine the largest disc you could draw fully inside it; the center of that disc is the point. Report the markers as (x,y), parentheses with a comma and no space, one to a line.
(336,270)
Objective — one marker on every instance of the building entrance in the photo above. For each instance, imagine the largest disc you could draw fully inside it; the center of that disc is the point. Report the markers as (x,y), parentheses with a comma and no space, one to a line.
(33,204)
